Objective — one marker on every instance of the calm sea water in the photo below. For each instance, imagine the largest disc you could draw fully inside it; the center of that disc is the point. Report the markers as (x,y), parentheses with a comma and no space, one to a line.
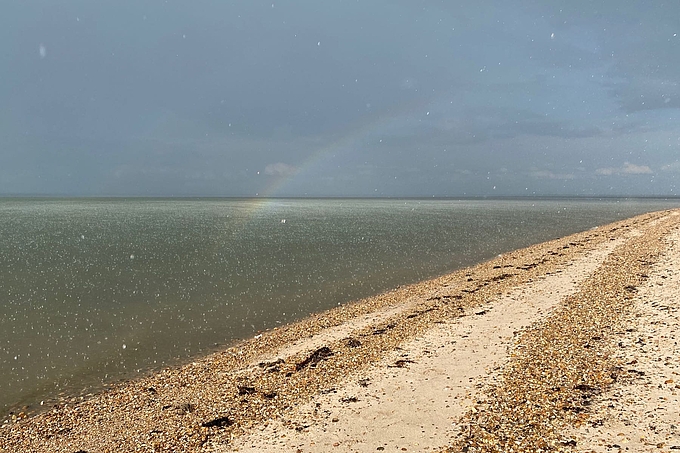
(97,290)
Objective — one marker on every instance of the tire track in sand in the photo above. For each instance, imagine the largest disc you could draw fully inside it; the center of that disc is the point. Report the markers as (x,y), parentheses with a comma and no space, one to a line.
(413,398)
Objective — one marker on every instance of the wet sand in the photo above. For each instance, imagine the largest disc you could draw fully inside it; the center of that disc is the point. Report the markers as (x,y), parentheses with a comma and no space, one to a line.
(521,353)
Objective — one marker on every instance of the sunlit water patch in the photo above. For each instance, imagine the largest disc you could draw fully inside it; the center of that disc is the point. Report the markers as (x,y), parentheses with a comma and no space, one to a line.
(97,290)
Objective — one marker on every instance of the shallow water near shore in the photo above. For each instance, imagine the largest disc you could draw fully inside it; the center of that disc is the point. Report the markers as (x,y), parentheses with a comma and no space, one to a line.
(96,290)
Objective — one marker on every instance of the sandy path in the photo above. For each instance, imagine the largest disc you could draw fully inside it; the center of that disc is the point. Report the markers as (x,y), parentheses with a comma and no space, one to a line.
(413,398)
(641,411)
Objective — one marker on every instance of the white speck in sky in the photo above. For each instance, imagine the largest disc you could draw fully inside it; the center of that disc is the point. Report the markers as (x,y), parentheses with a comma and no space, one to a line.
(184,36)
(428,114)
(318,43)
(42,50)
(552,35)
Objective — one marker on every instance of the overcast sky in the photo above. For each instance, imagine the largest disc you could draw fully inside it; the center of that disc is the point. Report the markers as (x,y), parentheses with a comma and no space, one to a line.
(340,98)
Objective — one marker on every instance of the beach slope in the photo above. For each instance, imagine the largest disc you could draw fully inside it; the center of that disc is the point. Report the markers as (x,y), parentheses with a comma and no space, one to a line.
(568,345)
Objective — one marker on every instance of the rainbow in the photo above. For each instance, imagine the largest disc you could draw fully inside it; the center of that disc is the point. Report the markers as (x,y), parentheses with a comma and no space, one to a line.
(370,133)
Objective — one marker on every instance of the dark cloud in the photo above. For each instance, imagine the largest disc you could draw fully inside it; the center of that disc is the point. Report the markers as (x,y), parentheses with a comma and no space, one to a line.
(389,98)
(647,93)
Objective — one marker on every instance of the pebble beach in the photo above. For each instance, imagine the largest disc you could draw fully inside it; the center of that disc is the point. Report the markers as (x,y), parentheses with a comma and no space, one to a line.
(568,345)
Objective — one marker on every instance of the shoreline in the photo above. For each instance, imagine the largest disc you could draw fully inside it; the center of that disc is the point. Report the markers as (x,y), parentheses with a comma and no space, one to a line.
(209,404)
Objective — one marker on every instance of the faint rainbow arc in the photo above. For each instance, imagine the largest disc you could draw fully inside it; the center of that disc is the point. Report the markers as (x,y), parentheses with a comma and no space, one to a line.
(380,125)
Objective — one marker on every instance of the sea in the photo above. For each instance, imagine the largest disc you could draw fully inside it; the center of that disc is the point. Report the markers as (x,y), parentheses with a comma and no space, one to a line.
(93,291)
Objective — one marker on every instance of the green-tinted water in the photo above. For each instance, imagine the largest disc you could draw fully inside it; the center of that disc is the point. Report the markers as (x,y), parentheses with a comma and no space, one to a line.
(95,290)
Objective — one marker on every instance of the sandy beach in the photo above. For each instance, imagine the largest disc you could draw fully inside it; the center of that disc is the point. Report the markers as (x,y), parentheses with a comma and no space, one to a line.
(568,345)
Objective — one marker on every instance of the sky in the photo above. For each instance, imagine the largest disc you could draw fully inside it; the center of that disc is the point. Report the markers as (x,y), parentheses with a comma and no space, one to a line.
(340,98)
